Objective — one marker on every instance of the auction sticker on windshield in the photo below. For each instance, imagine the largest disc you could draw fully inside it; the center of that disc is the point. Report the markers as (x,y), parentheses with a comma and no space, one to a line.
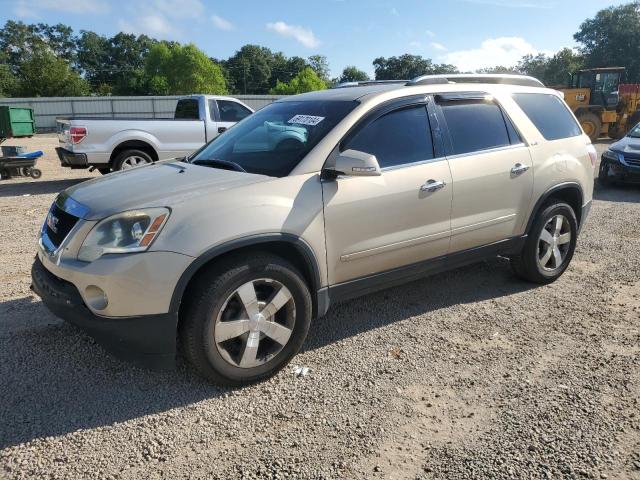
(306,120)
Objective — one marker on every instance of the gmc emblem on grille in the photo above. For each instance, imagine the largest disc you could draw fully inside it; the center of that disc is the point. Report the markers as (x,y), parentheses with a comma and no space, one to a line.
(52,223)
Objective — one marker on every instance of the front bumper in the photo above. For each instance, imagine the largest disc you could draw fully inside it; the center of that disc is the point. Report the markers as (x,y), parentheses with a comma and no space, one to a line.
(70,159)
(148,340)
(620,171)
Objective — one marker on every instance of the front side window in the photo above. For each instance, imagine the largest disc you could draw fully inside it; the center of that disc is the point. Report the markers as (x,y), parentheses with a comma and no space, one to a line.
(635,132)
(397,138)
(476,125)
(232,111)
(187,109)
(275,139)
(549,114)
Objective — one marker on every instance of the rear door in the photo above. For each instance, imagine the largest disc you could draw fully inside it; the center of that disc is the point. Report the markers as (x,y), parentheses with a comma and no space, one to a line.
(490,167)
(376,224)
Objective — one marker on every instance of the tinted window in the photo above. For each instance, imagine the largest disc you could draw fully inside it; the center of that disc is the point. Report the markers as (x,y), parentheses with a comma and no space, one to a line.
(187,109)
(397,138)
(273,140)
(232,111)
(549,114)
(475,126)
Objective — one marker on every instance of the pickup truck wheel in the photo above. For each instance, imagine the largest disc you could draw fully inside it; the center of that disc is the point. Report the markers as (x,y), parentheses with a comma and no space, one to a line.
(131,159)
(245,319)
(550,245)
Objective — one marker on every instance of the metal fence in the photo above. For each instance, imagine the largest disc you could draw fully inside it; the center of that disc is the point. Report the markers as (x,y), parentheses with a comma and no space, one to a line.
(46,110)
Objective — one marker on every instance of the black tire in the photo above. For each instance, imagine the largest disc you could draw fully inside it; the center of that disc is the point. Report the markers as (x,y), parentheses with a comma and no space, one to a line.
(526,265)
(35,173)
(603,175)
(122,157)
(591,124)
(209,296)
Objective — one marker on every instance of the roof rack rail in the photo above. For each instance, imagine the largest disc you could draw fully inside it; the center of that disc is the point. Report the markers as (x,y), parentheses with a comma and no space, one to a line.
(503,79)
(369,82)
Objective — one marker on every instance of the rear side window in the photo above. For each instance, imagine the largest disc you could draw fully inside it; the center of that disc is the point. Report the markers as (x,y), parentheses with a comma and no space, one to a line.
(187,109)
(549,114)
(232,111)
(476,125)
(397,138)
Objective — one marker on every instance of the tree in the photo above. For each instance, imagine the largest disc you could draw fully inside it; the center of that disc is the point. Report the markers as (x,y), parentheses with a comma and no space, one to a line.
(612,39)
(173,69)
(553,71)
(250,70)
(352,74)
(305,81)
(534,66)
(407,67)
(43,74)
(8,81)
(499,69)
(320,65)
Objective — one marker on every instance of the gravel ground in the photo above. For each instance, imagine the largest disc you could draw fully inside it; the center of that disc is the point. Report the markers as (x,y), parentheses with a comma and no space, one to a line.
(470,374)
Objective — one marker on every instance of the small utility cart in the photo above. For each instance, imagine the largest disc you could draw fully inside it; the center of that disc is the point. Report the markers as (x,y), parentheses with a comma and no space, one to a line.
(17,122)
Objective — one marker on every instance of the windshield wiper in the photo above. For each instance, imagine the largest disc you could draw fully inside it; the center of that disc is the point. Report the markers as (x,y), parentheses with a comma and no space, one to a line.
(223,164)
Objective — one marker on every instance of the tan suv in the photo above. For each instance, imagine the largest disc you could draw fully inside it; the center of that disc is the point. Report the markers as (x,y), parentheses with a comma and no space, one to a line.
(316,198)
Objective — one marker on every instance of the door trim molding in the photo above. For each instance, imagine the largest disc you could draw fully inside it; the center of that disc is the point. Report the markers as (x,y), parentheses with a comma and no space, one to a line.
(412,242)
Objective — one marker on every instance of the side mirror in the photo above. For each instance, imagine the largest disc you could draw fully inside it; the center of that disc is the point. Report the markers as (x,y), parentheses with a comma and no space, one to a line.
(355,164)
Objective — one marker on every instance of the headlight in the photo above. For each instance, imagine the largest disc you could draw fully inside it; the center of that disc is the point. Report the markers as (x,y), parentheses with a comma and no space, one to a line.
(126,232)
(611,155)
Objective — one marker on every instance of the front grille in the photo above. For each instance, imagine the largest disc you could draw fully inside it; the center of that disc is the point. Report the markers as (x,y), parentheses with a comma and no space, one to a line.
(58,225)
(634,162)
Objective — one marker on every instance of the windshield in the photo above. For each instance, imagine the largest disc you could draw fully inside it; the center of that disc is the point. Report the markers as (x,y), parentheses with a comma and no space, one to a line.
(275,139)
(635,132)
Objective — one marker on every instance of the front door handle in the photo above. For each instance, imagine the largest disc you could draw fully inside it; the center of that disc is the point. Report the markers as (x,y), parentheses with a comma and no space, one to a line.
(432,185)
(519,169)
(222,129)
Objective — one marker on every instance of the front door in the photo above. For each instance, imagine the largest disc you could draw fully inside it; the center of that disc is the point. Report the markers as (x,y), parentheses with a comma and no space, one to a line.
(376,224)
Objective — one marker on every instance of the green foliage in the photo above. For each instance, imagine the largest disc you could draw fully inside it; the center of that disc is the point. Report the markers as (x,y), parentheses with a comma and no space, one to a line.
(552,71)
(320,65)
(8,81)
(499,69)
(612,39)
(44,74)
(406,67)
(179,70)
(305,81)
(352,74)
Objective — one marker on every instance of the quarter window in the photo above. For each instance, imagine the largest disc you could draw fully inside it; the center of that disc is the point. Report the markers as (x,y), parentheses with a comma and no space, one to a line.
(549,114)
(477,125)
(232,111)
(397,138)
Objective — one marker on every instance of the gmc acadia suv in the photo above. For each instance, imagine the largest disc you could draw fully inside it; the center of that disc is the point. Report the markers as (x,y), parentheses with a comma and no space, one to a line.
(235,249)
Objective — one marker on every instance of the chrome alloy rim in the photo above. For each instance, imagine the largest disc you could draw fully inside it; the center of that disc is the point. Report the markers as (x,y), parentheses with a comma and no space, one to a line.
(554,243)
(255,323)
(134,161)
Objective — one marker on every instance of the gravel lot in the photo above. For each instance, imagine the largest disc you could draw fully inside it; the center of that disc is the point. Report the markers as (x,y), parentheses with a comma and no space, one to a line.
(469,374)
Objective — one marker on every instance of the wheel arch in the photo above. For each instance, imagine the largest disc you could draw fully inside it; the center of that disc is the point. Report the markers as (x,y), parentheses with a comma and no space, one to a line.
(569,192)
(134,145)
(289,247)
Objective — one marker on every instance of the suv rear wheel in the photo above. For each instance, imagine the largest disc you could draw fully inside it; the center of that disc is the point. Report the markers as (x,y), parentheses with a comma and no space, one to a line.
(246,318)
(550,245)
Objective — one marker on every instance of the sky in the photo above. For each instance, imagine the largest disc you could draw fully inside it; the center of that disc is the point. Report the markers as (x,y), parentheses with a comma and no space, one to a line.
(470,34)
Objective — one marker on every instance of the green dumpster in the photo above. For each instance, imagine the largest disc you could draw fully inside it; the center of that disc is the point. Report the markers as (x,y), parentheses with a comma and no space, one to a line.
(16,122)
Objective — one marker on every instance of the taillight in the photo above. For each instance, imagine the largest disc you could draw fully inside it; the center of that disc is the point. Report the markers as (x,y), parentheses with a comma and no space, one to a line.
(77,134)
(593,154)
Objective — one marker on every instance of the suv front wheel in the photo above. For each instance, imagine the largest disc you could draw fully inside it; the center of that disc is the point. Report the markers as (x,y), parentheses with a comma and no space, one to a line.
(245,319)
(550,245)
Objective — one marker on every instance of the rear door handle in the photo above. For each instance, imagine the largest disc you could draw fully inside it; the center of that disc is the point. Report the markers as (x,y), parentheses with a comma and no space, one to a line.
(222,129)
(432,185)
(519,169)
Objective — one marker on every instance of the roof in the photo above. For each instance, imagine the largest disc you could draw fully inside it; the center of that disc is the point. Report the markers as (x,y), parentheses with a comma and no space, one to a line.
(344,94)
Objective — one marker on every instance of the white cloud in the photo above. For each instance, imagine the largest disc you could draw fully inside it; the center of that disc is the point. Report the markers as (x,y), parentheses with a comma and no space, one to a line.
(300,34)
(30,8)
(222,23)
(438,46)
(504,51)
(152,25)
(430,33)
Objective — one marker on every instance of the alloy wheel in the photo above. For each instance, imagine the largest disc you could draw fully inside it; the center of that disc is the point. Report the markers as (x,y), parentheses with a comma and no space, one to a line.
(133,161)
(255,323)
(554,243)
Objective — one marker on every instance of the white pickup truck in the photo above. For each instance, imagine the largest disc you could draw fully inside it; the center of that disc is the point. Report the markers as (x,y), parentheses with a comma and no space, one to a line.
(110,144)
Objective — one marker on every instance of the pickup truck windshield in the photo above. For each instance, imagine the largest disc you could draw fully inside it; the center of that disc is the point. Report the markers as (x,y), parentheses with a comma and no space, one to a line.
(275,139)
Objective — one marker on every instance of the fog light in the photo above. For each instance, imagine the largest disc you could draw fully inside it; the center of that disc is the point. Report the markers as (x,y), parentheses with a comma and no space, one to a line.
(96,298)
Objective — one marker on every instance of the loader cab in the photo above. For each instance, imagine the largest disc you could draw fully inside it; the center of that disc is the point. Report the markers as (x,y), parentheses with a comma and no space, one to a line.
(602,84)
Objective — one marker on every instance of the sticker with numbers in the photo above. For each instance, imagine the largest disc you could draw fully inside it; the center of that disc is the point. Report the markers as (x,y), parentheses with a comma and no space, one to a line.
(306,120)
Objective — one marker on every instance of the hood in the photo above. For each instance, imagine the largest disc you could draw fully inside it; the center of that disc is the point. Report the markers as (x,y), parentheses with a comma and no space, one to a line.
(162,184)
(629,145)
